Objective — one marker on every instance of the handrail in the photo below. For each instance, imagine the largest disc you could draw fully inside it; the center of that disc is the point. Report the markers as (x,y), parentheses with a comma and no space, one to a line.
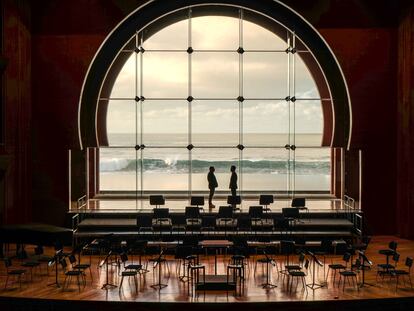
(81,202)
(352,213)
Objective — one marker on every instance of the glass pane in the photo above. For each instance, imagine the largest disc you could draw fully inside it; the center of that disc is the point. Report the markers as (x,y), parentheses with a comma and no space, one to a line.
(124,85)
(265,169)
(308,123)
(165,123)
(120,122)
(215,123)
(222,34)
(312,169)
(165,75)
(265,75)
(172,37)
(305,86)
(165,169)
(215,75)
(119,169)
(256,37)
(221,159)
(265,123)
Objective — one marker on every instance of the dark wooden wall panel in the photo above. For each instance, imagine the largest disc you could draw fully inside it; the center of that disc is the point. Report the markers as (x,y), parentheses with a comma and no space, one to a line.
(17,112)
(405,125)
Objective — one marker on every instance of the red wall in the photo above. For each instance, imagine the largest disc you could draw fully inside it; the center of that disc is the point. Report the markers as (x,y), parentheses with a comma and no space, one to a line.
(66,34)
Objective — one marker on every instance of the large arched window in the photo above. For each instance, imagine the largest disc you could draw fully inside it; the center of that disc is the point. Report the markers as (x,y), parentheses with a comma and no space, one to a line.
(215,88)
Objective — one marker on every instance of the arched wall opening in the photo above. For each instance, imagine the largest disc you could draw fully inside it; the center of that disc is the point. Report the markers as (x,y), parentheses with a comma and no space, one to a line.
(301,39)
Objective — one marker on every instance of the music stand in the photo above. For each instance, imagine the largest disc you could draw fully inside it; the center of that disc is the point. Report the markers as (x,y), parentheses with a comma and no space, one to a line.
(266,200)
(197,201)
(315,261)
(369,262)
(159,285)
(107,285)
(55,261)
(157,200)
(234,200)
(269,261)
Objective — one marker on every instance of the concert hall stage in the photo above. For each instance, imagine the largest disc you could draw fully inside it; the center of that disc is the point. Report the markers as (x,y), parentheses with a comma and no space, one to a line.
(384,295)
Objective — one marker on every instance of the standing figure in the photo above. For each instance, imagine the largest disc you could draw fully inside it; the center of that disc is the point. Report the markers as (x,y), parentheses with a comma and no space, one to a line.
(212,185)
(233,181)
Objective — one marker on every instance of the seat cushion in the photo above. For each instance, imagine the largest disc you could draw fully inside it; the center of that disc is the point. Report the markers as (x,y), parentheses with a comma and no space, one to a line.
(348,273)
(297,273)
(336,266)
(17,271)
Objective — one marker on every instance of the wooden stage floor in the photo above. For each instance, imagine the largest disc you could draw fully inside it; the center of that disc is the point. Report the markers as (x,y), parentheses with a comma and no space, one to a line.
(176,291)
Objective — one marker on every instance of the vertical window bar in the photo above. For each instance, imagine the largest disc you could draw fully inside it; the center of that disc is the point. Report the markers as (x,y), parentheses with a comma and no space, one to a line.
(241,68)
(136,120)
(288,103)
(294,112)
(190,160)
(141,89)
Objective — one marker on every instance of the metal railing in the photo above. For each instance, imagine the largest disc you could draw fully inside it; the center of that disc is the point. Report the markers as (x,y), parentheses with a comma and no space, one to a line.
(353,213)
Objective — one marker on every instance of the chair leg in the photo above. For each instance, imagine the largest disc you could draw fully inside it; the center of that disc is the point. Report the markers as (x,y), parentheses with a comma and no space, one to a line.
(7,280)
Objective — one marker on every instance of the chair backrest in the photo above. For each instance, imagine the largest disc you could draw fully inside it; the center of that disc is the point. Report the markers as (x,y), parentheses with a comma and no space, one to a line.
(298,202)
(63,263)
(306,265)
(161,212)
(72,259)
(225,212)
(124,257)
(208,221)
(393,245)
(396,257)
(290,212)
(192,212)
(234,200)
(157,200)
(7,262)
(266,199)
(409,262)
(301,258)
(38,250)
(196,200)
(256,211)
(144,221)
(244,223)
(346,257)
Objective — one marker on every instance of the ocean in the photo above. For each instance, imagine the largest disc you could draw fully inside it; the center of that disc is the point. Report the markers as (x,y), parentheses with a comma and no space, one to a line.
(264,164)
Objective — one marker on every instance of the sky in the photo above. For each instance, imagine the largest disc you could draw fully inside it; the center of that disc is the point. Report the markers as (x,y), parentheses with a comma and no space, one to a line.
(214,75)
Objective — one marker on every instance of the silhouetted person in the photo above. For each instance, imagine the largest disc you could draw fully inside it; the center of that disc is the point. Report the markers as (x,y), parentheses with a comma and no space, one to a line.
(212,185)
(233,181)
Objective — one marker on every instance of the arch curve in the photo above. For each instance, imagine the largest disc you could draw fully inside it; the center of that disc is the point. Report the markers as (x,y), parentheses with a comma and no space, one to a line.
(337,133)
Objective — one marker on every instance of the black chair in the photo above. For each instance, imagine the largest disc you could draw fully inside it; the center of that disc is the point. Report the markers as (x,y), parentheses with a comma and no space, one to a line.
(387,268)
(71,273)
(79,266)
(392,249)
(338,266)
(208,223)
(299,203)
(299,274)
(399,272)
(18,273)
(353,274)
(130,270)
(225,218)
(234,201)
(266,200)
(157,200)
(197,201)
(192,218)
(291,215)
(144,223)
(259,222)
(161,219)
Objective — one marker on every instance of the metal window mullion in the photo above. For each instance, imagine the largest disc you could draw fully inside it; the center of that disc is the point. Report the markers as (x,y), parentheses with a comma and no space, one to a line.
(136,121)
(190,111)
(294,112)
(289,114)
(141,115)
(241,91)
